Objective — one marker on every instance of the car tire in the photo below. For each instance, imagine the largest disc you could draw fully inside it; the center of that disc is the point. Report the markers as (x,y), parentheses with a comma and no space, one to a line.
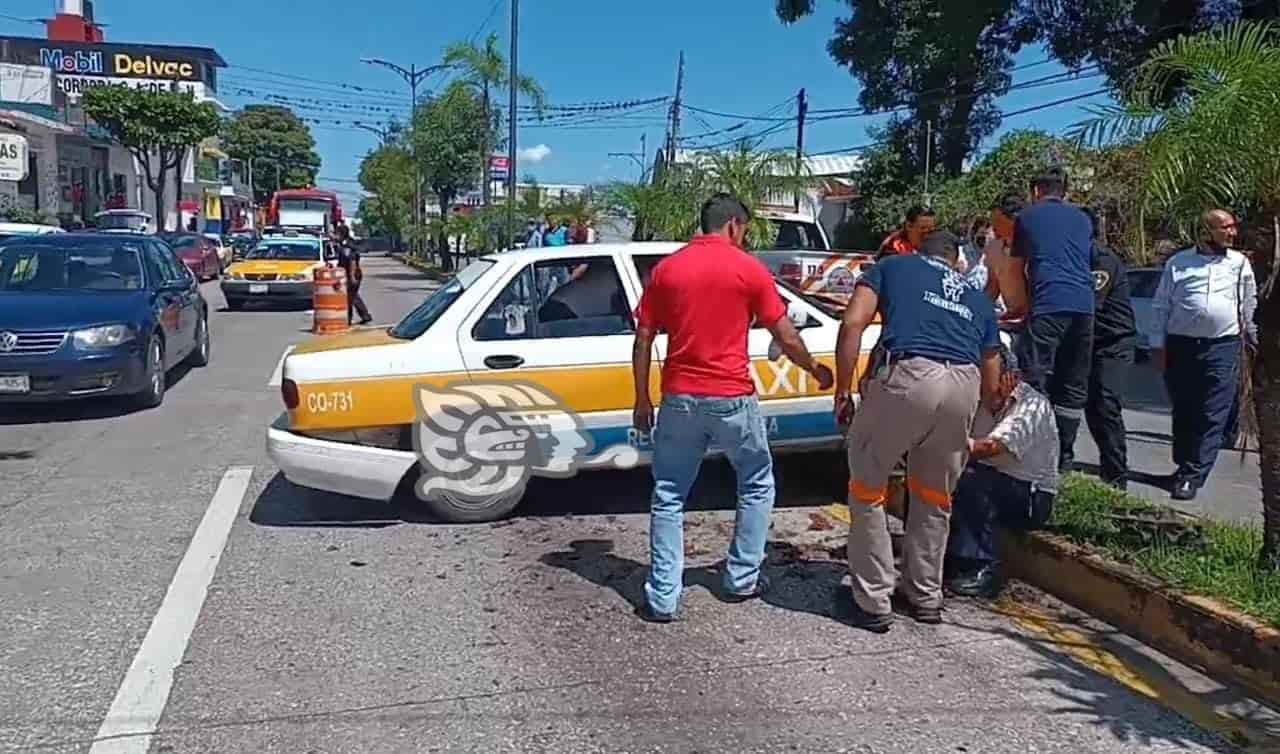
(153,394)
(449,508)
(235,304)
(200,354)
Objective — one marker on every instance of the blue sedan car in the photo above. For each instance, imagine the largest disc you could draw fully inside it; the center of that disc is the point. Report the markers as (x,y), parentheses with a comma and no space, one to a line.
(95,314)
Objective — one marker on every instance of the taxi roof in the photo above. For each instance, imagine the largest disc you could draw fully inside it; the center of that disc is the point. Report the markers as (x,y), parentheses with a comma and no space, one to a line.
(573,251)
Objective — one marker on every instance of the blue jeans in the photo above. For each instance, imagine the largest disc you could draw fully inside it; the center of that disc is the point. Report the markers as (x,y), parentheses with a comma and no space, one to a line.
(687,425)
(1202,380)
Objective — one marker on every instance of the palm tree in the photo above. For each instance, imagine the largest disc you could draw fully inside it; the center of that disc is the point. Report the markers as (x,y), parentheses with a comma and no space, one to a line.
(758,179)
(1217,145)
(485,69)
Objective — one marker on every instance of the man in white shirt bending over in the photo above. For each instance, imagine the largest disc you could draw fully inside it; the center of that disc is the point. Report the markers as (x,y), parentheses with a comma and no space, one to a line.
(1202,310)
(1011,480)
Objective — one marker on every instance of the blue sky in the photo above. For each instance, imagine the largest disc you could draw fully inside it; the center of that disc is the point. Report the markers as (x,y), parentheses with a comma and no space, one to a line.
(738,59)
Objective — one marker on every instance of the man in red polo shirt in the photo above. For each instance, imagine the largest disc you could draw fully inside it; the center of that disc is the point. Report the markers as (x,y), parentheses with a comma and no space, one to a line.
(705,297)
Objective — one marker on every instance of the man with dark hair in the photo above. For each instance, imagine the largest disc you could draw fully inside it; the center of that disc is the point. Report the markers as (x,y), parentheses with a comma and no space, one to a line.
(349,261)
(1011,479)
(1050,279)
(939,341)
(920,222)
(1114,340)
(705,297)
(995,254)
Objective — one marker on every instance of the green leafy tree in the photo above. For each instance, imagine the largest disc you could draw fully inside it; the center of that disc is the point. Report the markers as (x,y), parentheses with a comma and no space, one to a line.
(1121,34)
(943,62)
(278,143)
(447,142)
(758,179)
(1217,146)
(387,174)
(156,127)
(485,70)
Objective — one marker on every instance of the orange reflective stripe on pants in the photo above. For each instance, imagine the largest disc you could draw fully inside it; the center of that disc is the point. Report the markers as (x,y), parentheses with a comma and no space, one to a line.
(867,495)
(927,494)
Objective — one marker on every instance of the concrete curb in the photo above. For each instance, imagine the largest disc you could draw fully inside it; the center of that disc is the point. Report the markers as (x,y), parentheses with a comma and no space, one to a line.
(1196,630)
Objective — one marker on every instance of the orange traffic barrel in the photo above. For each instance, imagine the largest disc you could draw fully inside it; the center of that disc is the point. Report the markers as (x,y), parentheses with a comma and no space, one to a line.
(330,301)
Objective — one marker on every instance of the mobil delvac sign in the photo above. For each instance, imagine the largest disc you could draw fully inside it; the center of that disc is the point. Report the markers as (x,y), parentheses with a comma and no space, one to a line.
(78,66)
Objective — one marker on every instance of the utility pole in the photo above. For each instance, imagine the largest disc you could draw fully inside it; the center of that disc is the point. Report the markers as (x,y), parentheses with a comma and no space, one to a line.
(413,76)
(801,113)
(511,122)
(644,156)
(674,141)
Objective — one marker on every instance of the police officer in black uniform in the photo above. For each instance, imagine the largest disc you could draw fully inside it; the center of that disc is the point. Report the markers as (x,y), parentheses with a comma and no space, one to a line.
(349,261)
(1114,340)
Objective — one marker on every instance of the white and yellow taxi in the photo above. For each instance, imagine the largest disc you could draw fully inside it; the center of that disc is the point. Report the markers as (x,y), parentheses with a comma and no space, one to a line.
(280,268)
(558,319)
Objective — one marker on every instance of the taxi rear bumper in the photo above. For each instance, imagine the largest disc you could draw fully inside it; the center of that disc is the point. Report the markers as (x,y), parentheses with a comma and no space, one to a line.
(345,468)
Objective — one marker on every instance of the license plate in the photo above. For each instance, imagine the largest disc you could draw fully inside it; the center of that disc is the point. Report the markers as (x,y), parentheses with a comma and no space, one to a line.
(15,383)
(257,288)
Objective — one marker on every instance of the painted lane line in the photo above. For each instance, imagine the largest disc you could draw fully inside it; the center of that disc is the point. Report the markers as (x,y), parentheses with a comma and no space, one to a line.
(278,374)
(142,696)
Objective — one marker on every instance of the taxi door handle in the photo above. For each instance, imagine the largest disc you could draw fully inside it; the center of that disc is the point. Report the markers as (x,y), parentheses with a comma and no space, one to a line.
(503,362)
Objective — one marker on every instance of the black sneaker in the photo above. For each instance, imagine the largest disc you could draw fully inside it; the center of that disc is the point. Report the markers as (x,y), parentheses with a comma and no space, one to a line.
(1184,489)
(983,582)
(929,615)
(648,614)
(762,586)
(366,320)
(876,624)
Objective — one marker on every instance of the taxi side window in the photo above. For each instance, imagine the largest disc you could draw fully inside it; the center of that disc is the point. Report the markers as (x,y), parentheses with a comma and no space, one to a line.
(559,299)
(644,264)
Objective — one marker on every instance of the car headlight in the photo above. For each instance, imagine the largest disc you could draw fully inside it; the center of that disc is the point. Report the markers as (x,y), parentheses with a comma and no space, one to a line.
(299,276)
(235,275)
(106,336)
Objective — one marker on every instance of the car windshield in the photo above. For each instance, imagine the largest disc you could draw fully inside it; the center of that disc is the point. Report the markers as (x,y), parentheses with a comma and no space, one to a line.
(297,251)
(421,319)
(182,242)
(27,265)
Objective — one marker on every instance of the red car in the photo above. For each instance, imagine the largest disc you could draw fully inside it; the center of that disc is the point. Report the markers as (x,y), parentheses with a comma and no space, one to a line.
(198,253)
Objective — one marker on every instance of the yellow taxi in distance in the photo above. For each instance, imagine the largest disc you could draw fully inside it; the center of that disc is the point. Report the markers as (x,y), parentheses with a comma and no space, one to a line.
(548,333)
(280,268)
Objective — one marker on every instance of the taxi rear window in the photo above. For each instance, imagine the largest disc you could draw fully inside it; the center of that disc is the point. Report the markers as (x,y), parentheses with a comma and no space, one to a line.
(421,319)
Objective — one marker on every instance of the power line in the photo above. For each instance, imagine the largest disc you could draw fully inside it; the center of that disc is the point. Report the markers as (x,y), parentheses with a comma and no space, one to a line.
(21,20)
(339,84)
(1009,114)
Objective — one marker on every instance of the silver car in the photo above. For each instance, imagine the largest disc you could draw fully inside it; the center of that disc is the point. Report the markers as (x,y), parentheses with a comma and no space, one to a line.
(1143,282)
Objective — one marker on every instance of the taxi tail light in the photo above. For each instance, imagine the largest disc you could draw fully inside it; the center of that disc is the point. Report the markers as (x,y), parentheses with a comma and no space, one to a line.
(289,391)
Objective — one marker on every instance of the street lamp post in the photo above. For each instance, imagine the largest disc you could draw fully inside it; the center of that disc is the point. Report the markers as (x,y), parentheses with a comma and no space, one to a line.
(413,76)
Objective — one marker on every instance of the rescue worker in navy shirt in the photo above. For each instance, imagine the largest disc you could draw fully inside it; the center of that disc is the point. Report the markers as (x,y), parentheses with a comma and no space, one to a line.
(1051,281)
(1115,337)
(939,355)
(349,261)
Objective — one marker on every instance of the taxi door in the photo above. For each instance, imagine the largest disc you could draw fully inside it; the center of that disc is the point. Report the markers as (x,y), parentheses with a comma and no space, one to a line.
(565,326)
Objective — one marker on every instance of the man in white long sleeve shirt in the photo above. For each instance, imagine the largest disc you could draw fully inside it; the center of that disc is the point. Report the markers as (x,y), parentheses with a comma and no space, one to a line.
(1202,308)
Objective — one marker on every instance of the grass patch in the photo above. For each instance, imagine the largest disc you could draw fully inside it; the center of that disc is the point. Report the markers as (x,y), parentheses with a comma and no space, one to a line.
(1218,560)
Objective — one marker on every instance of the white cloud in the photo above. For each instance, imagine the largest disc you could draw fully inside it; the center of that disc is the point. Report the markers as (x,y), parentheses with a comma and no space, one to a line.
(535,154)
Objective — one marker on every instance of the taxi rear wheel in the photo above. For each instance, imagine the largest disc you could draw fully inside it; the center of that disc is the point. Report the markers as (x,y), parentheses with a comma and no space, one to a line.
(454,509)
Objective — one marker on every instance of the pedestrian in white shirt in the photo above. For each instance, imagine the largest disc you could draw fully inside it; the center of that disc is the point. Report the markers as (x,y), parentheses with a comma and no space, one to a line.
(1011,480)
(1202,308)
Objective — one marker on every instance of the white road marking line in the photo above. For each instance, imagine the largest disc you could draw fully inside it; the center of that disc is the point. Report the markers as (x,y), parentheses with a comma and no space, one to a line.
(278,374)
(142,696)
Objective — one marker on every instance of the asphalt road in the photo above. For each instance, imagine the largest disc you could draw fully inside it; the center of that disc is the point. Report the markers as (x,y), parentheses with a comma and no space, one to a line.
(337,625)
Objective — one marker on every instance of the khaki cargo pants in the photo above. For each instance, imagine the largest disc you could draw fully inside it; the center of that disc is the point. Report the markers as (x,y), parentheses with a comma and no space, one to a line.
(924,409)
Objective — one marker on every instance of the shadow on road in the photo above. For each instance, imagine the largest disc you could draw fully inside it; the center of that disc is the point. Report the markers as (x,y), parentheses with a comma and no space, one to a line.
(1159,481)
(803,480)
(88,408)
(810,582)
